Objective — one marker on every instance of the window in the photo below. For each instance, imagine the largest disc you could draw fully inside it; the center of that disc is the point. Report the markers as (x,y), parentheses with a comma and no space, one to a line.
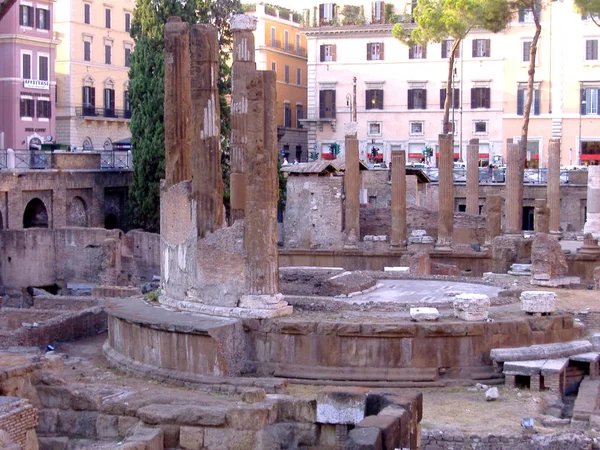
(416,128)
(327,104)
(286,73)
(126,105)
(109,102)
(591,50)
(447,49)
(526,14)
(286,40)
(480,97)
(273,66)
(326,12)
(107,54)
(298,44)
(287,116)
(273,40)
(299,115)
(374,99)
(481,48)
(526,51)
(87,13)
(127,22)
(375,51)
(87,51)
(327,52)
(417,52)
(417,99)
(27,107)
(26,66)
(43,109)
(43,19)
(378,12)
(43,68)
(480,127)
(374,128)
(455,98)
(522,97)
(107,17)
(127,57)
(299,76)
(89,100)
(590,97)
(26,16)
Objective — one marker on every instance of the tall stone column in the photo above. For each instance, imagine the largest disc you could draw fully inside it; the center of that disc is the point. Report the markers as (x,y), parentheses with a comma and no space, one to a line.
(592,219)
(351,187)
(398,234)
(553,185)
(512,202)
(207,181)
(493,218)
(177,103)
(445,193)
(473,177)
(243,63)
(262,189)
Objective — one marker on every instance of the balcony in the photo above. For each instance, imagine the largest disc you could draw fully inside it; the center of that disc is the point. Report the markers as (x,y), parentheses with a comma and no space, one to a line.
(288,48)
(96,112)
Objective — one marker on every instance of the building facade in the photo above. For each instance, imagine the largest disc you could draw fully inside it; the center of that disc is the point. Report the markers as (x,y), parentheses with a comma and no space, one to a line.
(92,67)
(281,47)
(27,78)
(400,90)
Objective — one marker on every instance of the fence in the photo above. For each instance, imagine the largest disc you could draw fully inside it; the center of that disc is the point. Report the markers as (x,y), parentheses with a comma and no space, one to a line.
(40,160)
(498,175)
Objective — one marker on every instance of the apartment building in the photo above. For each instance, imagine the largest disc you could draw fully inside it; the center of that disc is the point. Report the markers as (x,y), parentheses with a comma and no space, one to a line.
(400,90)
(92,65)
(281,47)
(27,79)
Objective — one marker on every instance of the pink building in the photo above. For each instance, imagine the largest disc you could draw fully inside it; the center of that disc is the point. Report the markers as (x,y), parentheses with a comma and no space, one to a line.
(27,79)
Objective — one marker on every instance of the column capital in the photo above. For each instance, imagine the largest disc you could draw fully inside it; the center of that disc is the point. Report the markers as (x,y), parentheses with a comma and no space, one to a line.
(243,22)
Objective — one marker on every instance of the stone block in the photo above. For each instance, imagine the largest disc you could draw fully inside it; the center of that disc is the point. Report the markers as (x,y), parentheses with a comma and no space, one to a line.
(191,438)
(364,439)
(228,439)
(55,396)
(47,420)
(404,424)
(247,418)
(424,314)
(85,400)
(523,368)
(253,395)
(171,435)
(107,426)
(389,426)
(149,438)
(538,301)
(182,415)
(292,409)
(597,278)
(53,443)
(81,423)
(471,307)
(338,406)
(125,424)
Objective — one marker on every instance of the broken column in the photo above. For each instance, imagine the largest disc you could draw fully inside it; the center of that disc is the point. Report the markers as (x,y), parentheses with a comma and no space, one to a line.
(207,181)
(398,232)
(592,219)
(493,217)
(352,187)
(473,177)
(446,194)
(513,204)
(553,186)
(541,216)
(262,190)
(242,26)
(178,106)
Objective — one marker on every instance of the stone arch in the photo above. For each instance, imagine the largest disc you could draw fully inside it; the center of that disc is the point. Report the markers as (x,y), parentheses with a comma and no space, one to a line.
(87,144)
(107,145)
(88,80)
(35,215)
(77,215)
(111,221)
(35,143)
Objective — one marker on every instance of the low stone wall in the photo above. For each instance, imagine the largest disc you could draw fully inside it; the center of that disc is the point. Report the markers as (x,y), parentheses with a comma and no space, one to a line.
(18,420)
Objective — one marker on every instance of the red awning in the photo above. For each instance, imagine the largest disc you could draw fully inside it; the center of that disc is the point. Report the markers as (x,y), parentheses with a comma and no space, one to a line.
(415,155)
(590,157)
(484,156)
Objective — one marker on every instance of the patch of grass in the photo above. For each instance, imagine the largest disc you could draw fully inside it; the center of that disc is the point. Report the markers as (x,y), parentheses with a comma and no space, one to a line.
(152,296)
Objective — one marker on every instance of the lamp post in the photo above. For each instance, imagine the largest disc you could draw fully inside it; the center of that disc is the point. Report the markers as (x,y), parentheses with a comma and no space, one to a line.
(580,143)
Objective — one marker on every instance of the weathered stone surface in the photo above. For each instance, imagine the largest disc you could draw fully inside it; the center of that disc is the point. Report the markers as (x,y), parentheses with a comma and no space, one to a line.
(364,439)
(191,438)
(547,258)
(597,278)
(126,423)
(398,207)
(247,418)
(473,176)
(541,216)
(107,426)
(538,301)
(424,314)
(471,307)
(592,220)
(547,351)
(529,368)
(553,185)
(444,269)
(352,184)
(513,199)
(182,415)
(446,192)
(228,439)
(389,426)
(492,394)
(493,217)
(341,406)
(82,423)
(253,395)
(507,250)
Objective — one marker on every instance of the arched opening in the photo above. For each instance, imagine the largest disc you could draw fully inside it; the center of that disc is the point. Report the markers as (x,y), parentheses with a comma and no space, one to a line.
(108,145)
(35,215)
(35,144)
(111,222)
(77,213)
(87,145)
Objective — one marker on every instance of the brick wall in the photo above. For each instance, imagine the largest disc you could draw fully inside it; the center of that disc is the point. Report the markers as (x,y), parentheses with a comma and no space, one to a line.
(17,417)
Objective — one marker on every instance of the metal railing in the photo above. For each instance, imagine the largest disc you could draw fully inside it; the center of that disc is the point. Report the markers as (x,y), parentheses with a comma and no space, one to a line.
(41,160)
(498,175)
(111,160)
(110,113)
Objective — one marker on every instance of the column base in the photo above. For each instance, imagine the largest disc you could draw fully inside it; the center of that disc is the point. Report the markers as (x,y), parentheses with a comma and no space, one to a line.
(443,247)
(249,307)
(398,246)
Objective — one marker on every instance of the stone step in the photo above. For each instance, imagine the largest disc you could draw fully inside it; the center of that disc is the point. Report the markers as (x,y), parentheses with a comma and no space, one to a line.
(357,373)
(541,351)
(587,399)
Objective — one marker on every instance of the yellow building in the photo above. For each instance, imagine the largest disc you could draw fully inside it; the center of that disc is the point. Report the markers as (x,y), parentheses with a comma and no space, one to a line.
(280,46)
(92,65)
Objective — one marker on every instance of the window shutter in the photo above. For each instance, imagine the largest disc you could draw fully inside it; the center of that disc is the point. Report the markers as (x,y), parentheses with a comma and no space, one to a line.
(424,91)
(526,49)
(381,48)
(487,97)
(411,52)
(333,53)
(520,101)
(333,11)
(368,99)
(581,99)
(456,98)
(322,104)
(474,98)
(47,16)
(380,100)
(22,108)
(332,95)
(536,104)
(107,17)
(21,23)
(442,97)
(322,48)
(93,96)
(368,52)
(444,49)
(474,48)
(521,14)
(488,48)
(49,109)
(588,50)
(27,67)
(424,52)
(321,12)
(112,98)
(37,18)
(411,99)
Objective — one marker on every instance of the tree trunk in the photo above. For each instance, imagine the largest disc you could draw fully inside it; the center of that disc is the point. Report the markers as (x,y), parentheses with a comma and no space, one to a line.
(528,102)
(450,90)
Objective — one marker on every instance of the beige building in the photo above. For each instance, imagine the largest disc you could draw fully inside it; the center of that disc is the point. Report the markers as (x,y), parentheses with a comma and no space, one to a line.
(92,67)
(400,90)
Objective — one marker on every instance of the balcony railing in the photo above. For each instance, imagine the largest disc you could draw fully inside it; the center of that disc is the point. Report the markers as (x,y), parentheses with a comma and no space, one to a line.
(115,160)
(94,111)
(40,160)
(289,48)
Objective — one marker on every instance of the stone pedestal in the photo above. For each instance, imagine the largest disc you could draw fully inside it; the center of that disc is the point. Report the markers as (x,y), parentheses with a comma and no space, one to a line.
(592,220)
(446,194)
(471,307)
(590,246)
(493,218)
(351,187)
(553,185)
(207,180)
(512,202)
(538,302)
(398,233)
(177,103)
(473,177)
(242,27)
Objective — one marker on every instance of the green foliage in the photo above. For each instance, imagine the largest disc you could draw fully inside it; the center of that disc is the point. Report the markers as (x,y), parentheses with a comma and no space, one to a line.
(314,21)
(296,17)
(146,92)
(589,7)
(390,16)
(152,296)
(270,10)
(353,15)
(249,7)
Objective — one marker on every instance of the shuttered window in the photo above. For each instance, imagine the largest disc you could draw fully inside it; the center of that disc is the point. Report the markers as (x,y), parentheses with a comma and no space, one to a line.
(481,48)
(374,99)
(327,104)
(591,50)
(535,105)
(455,98)
(480,98)
(417,99)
